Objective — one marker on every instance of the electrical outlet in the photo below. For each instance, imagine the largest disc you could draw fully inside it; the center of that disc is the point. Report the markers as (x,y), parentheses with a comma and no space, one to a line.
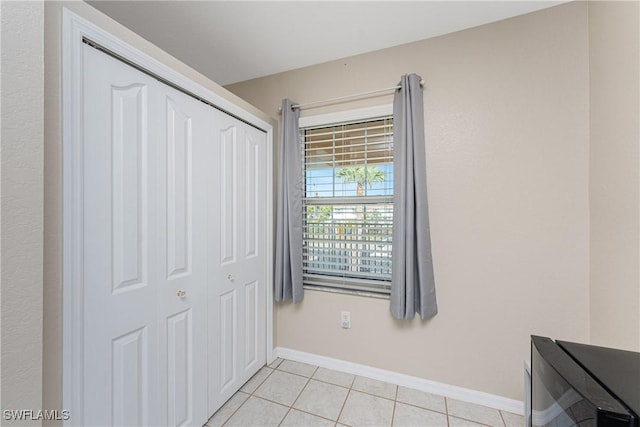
(345,319)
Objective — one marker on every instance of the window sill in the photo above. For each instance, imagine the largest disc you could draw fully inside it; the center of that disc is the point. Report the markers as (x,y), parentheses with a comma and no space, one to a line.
(332,290)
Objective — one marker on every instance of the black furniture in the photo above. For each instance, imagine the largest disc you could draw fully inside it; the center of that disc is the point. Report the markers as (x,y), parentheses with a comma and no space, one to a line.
(583,385)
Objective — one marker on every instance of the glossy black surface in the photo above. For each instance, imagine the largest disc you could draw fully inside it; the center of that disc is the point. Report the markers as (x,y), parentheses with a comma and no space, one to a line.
(564,394)
(618,371)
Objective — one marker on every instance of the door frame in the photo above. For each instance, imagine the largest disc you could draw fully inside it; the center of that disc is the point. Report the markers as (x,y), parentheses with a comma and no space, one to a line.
(74,30)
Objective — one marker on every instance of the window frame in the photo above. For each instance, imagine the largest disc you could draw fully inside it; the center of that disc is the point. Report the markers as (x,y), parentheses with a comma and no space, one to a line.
(321,282)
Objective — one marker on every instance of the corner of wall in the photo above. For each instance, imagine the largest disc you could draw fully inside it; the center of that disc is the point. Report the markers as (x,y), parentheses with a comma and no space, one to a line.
(21,209)
(614,174)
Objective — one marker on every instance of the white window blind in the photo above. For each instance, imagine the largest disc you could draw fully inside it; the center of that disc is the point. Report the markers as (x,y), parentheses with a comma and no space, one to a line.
(348,205)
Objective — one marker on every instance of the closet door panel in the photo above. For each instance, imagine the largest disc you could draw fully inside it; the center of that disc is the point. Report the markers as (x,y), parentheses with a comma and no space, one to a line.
(180,370)
(254,258)
(225,301)
(179,190)
(220,297)
(183,256)
(251,195)
(238,277)
(120,333)
(129,378)
(228,231)
(129,186)
(228,341)
(251,328)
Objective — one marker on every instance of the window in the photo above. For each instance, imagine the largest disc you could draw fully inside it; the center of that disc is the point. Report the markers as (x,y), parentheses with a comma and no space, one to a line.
(348,205)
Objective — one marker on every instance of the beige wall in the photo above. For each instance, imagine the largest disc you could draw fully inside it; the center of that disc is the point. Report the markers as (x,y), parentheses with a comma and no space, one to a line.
(52,385)
(506,108)
(507,124)
(614,186)
(21,205)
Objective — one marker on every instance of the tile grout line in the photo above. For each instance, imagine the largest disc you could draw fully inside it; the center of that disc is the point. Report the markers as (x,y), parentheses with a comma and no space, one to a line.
(504,423)
(422,407)
(395,402)
(446,411)
(251,394)
(368,393)
(353,381)
(272,401)
(328,383)
(480,423)
(285,416)
(315,415)
(346,398)
(289,408)
(476,421)
(275,366)
(298,396)
(234,412)
(247,399)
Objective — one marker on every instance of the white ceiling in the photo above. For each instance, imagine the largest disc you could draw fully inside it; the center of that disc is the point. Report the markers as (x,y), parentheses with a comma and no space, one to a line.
(233,41)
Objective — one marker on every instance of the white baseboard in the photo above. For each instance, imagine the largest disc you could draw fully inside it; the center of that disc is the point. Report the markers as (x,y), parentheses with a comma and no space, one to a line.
(451,391)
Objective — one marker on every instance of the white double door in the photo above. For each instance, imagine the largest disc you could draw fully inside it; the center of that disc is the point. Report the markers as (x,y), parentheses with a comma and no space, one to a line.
(174,255)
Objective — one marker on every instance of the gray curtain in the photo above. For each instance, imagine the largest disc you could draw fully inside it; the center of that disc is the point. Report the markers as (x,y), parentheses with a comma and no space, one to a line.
(412,287)
(288,278)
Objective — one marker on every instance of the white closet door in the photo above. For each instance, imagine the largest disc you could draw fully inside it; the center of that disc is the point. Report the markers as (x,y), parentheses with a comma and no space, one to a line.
(237,265)
(182,269)
(144,238)
(253,256)
(120,328)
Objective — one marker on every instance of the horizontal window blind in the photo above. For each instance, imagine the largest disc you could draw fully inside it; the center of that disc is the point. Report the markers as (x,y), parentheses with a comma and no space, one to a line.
(348,205)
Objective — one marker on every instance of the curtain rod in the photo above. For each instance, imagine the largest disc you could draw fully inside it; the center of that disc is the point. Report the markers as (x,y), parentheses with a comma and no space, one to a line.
(345,98)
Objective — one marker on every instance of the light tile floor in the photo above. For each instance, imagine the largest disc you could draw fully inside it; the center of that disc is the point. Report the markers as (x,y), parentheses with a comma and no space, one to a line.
(288,393)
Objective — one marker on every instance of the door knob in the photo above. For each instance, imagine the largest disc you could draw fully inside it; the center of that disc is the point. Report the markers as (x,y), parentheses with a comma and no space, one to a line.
(181,294)
(230,277)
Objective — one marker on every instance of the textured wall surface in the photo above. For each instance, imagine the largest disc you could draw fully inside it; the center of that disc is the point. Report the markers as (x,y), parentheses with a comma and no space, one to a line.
(507,124)
(507,114)
(21,204)
(614,51)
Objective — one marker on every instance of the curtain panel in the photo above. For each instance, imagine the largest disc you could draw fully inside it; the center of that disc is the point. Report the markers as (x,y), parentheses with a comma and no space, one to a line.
(412,279)
(288,270)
